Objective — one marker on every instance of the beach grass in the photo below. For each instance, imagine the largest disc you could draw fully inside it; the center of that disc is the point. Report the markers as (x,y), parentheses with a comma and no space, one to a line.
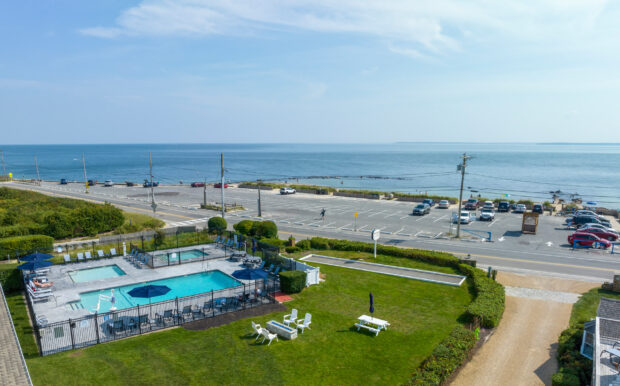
(421,314)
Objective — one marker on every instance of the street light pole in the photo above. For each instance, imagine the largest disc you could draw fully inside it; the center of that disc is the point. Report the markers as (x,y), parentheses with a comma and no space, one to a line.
(462,166)
(153,204)
(260,213)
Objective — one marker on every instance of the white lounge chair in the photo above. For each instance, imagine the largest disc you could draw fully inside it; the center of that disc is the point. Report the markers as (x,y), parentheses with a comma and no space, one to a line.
(80,256)
(304,323)
(290,318)
(67,258)
(112,251)
(257,330)
(59,249)
(100,253)
(88,255)
(267,335)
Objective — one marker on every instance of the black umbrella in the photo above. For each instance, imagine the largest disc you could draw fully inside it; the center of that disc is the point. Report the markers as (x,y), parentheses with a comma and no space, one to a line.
(372,308)
(36,256)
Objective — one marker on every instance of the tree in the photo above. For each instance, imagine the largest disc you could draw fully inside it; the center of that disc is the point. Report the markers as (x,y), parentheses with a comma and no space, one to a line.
(244,227)
(217,224)
(267,229)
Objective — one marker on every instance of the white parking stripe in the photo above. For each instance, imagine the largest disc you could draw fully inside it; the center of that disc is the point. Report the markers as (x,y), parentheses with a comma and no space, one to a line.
(442,217)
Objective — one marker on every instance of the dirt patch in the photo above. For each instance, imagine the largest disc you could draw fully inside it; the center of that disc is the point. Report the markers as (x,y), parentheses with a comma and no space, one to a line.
(522,350)
(229,317)
(545,283)
(76,354)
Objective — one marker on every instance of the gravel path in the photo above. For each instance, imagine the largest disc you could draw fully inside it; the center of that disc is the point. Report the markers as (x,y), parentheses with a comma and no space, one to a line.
(12,366)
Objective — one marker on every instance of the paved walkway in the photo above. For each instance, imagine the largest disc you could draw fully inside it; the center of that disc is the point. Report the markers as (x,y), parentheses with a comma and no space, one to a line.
(410,273)
(12,366)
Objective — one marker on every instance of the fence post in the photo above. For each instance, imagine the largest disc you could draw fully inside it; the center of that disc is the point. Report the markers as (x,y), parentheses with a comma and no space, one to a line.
(139,324)
(176,301)
(97,327)
(243,297)
(37,335)
(142,238)
(168,254)
(212,304)
(71,331)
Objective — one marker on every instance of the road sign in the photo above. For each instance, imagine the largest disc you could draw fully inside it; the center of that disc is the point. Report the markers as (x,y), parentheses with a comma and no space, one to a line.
(375,234)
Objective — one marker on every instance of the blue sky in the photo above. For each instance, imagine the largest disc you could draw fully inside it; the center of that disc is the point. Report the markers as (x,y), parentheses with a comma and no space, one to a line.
(309,71)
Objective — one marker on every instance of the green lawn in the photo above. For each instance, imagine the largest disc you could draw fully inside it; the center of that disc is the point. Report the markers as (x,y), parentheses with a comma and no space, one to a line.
(332,352)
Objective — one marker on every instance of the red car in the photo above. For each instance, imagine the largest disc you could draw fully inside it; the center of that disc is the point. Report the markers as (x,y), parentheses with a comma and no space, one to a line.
(219,185)
(471,204)
(198,184)
(600,233)
(586,239)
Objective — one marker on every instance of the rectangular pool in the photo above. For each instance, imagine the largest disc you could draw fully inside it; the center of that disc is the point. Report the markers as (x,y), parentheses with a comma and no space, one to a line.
(179,286)
(185,255)
(97,273)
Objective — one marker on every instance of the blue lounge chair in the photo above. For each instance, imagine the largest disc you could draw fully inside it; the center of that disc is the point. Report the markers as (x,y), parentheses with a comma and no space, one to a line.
(275,273)
(262,264)
(270,268)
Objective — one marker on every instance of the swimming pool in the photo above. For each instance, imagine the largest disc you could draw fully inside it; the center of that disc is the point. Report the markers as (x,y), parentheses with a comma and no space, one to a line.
(179,286)
(98,273)
(185,255)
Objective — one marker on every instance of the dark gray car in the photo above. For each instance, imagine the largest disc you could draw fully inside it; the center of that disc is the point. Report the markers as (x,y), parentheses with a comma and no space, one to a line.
(421,209)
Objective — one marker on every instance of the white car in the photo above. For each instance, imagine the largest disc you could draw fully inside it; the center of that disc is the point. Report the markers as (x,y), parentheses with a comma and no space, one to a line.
(521,208)
(489,205)
(443,204)
(465,217)
(487,214)
(287,190)
(108,183)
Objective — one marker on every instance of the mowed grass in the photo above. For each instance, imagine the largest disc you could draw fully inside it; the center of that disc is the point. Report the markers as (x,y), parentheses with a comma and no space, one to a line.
(421,314)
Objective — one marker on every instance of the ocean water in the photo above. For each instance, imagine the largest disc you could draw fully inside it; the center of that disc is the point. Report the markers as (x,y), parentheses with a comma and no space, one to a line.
(589,171)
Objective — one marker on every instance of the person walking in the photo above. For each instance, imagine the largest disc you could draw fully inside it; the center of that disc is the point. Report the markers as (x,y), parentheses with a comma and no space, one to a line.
(323,214)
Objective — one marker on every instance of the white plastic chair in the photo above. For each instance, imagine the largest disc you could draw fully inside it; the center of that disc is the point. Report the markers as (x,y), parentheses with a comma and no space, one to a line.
(67,258)
(88,255)
(267,335)
(304,323)
(257,330)
(290,318)
(80,256)
(100,253)
(112,251)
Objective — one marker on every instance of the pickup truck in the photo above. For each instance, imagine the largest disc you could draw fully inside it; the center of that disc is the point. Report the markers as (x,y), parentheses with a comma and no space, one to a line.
(471,204)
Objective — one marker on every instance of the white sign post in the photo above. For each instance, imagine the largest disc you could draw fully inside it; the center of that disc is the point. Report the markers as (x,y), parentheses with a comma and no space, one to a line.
(374,235)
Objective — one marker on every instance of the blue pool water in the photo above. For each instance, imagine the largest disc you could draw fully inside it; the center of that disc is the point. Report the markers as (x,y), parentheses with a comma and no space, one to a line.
(98,273)
(185,255)
(179,286)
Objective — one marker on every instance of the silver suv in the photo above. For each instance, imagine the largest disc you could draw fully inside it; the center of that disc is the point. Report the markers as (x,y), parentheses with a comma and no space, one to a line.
(287,190)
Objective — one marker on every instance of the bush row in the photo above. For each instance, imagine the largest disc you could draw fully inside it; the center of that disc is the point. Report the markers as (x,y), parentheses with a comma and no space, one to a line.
(487,307)
(22,245)
(575,369)
(260,229)
(448,356)
(10,277)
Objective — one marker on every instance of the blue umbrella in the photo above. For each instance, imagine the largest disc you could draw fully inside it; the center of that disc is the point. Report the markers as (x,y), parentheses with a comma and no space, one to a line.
(34,265)
(149,291)
(253,247)
(372,308)
(250,274)
(36,256)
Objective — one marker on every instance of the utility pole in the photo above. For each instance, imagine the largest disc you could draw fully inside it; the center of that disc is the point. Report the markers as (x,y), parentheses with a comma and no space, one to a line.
(204,194)
(222,185)
(461,167)
(153,204)
(36,166)
(3,168)
(84,166)
(260,213)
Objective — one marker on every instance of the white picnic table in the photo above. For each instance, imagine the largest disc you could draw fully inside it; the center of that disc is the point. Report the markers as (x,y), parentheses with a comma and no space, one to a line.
(372,324)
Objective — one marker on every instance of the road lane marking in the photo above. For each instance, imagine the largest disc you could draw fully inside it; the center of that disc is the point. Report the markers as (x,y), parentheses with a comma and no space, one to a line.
(444,216)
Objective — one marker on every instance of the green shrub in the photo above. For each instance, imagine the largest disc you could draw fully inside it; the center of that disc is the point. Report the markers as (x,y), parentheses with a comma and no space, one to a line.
(319,243)
(569,356)
(304,245)
(292,282)
(267,230)
(244,227)
(448,356)
(20,230)
(292,249)
(22,245)
(59,225)
(217,224)
(565,379)
(10,277)
(159,237)
(488,306)
(273,242)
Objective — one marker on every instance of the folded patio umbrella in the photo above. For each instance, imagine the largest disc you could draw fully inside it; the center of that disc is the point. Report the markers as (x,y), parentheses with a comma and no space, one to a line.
(372,307)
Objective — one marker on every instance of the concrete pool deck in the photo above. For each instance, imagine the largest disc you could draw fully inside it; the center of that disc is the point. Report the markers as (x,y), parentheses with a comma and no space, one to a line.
(57,308)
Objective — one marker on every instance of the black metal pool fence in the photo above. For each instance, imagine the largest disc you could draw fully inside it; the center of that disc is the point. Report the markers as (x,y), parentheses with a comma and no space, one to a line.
(105,327)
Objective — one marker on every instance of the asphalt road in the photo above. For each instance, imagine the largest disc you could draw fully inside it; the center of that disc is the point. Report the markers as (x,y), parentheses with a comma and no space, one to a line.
(547,252)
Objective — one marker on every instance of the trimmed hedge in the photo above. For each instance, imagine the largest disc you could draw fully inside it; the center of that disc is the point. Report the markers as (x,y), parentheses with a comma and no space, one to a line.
(487,307)
(448,356)
(22,245)
(10,277)
(292,282)
(217,224)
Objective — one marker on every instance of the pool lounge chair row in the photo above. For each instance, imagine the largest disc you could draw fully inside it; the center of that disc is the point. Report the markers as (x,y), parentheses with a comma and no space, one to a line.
(273,270)
(138,258)
(228,243)
(84,256)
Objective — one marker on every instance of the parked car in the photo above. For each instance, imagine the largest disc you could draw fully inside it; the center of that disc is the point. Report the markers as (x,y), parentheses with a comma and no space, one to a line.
(487,214)
(108,183)
(538,208)
(91,182)
(611,236)
(198,184)
(147,183)
(489,205)
(577,221)
(129,183)
(465,217)
(599,226)
(586,239)
(219,185)
(429,201)
(513,206)
(471,204)
(443,204)
(584,212)
(521,208)
(63,181)
(287,190)
(421,209)
(503,206)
